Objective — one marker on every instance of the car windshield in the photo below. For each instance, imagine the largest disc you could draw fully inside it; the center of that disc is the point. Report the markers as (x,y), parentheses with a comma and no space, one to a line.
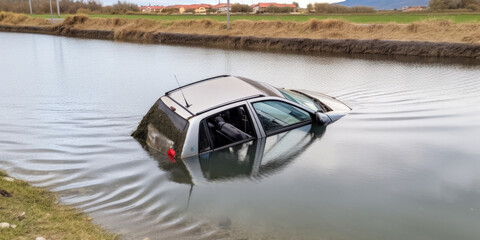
(300,99)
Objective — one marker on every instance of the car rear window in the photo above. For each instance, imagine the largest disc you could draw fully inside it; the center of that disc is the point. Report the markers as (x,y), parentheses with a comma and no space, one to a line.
(162,128)
(179,122)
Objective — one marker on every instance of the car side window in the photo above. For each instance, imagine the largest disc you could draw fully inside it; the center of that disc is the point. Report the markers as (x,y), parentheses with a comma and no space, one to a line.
(275,115)
(225,128)
(203,142)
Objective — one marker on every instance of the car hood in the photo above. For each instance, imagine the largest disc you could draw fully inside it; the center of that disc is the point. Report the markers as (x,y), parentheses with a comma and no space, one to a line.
(333,103)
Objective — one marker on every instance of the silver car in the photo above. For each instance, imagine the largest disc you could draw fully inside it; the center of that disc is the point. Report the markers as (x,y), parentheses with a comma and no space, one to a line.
(224,111)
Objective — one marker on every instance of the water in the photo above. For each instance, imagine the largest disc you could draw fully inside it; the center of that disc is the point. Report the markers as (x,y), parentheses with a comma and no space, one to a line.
(405,164)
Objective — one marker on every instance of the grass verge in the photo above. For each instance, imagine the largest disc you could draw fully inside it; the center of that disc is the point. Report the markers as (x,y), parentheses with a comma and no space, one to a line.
(354,18)
(42,216)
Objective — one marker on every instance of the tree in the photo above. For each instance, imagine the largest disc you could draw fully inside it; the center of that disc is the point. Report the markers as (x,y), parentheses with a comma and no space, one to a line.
(43,6)
(309,7)
(274,9)
(123,7)
(454,4)
(237,7)
(212,10)
(189,10)
(296,4)
(330,8)
(170,10)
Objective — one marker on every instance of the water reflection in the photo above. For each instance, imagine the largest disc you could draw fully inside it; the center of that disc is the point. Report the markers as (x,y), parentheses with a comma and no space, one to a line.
(255,159)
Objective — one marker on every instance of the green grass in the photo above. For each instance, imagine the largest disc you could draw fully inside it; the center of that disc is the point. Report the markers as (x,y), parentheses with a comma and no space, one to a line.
(43,217)
(356,18)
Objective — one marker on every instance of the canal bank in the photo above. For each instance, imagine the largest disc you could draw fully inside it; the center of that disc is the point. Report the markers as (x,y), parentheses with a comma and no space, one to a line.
(323,36)
(32,213)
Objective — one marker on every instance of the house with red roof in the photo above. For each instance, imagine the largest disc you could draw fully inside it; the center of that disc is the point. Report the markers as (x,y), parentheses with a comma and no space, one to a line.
(149,8)
(414,8)
(260,7)
(197,8)
(221,7)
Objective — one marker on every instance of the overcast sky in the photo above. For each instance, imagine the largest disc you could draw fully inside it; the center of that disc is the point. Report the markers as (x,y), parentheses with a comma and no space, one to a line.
(303,3)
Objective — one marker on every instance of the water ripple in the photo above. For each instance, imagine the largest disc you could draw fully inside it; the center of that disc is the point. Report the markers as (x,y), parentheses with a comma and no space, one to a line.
(410,142)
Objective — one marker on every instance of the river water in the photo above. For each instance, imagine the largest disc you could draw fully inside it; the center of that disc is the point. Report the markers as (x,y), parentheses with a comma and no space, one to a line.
(404,164)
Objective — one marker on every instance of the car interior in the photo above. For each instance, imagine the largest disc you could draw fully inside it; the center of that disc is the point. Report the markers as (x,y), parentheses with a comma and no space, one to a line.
(229,126)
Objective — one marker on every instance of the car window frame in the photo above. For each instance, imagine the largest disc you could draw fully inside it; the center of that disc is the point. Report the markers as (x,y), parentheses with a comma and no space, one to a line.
(205,115)
(283,129)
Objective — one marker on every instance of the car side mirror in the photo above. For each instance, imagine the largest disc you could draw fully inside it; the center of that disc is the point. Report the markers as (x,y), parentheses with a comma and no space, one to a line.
(322,118)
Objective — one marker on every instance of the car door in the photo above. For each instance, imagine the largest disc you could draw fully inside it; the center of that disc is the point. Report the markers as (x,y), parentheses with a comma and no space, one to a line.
(254,159)
(226,127)
(245,121)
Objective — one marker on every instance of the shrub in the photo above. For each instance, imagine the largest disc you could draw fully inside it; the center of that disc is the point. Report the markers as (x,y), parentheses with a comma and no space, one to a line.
(362,9)
(83,11)
(454,4)
(212,10)
(274,9)
(330,8)
(310,8)
(237,7)
(335,8)
(170,10)
(123,7)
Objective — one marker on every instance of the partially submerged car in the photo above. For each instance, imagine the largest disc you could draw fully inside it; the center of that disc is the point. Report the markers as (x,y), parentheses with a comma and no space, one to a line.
(256,159)
(223,111)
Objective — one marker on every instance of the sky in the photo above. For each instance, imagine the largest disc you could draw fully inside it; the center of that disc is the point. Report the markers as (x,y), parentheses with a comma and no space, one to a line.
(302,3)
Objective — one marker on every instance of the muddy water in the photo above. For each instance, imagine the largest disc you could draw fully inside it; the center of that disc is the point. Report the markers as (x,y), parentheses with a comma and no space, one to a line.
(405,164)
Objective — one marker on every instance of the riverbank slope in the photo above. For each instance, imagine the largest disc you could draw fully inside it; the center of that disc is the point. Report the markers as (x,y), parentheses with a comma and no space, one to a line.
(427,38)
(28,212)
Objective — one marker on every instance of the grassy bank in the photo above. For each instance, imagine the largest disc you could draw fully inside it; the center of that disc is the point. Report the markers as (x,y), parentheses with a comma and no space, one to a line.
(33,213)
(432,31)
(439,38)
(354,18)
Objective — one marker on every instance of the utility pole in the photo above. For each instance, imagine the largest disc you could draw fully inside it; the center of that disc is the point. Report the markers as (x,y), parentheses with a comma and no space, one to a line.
(228,14)
(58,9)
(51,11)
(30,4)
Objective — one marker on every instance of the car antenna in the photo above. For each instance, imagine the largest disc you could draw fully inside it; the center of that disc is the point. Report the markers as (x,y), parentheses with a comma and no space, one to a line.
(190,195)
(180,87)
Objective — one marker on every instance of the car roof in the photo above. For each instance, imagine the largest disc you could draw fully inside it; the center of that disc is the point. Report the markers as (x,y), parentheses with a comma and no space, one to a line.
(218,91)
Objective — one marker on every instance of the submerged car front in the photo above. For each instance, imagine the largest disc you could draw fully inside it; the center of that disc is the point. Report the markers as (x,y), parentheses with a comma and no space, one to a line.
(321,103)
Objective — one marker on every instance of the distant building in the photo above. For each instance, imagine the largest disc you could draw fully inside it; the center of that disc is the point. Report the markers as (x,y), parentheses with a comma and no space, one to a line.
(414,8)
(222,7)
(202,8)
(260,7)
(149,9)
(197,8)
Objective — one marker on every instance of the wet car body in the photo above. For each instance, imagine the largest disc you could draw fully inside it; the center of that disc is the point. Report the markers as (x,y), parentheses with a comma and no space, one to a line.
(256,159)
(225,111)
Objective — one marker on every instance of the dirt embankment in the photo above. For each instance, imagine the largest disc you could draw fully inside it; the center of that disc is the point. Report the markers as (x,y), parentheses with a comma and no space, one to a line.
(431,38)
